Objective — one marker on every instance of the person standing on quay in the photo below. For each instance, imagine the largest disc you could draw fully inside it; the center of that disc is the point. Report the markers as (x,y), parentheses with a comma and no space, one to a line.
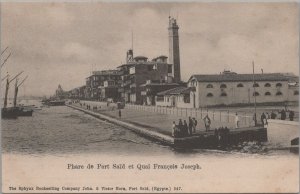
(185,128)
(268,116)
(291,115)
(237,121)
(263,119)
(173,129)
(190,126)
(120,113)
(180,127)
(207,122)
(194,125)
(282,115)
(273,115)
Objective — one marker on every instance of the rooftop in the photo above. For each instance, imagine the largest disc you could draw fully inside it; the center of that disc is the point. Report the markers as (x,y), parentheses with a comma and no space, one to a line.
(163,57)
(241,77)
(140,57)
(176,91)
(134,63)
(159,84)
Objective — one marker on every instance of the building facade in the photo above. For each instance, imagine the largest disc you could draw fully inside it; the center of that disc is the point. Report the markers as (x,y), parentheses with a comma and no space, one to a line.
(180,97)
(136,73)
(97,79)
(231,88)
(109,91)
(151,88)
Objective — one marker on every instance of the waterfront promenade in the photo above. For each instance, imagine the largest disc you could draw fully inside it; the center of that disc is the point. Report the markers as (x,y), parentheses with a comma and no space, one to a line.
(154,120)
(160,121)
(159,127)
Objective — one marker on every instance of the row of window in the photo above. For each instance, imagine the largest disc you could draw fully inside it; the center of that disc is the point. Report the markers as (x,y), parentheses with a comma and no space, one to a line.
(254,94)
(240,85)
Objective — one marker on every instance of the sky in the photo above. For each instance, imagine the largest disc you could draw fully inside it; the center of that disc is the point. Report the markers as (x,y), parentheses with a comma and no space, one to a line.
(61,43)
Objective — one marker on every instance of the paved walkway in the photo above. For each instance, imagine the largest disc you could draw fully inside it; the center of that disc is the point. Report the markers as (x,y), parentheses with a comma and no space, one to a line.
(153,120)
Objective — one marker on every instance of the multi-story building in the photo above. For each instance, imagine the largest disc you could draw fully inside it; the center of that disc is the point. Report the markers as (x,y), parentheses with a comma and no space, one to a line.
(109,91)
(77,93)
(97,79)
(137,71)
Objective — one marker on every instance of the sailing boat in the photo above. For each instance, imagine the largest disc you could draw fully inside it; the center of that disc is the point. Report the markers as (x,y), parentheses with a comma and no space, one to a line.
(21,111)
(9,112)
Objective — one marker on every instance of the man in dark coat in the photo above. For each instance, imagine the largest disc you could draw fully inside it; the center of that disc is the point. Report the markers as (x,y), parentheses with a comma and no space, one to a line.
(291,115)
(180,127)
(283,115)
(273,115)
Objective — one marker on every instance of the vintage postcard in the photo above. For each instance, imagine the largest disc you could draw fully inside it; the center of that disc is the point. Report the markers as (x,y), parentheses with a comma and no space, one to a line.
(149,97)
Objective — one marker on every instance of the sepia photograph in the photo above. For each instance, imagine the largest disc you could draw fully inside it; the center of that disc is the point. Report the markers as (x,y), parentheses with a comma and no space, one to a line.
(149,97)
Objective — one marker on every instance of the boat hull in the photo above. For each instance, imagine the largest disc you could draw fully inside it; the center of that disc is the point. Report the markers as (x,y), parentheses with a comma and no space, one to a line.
(9,113)
(24,113)
(56,103)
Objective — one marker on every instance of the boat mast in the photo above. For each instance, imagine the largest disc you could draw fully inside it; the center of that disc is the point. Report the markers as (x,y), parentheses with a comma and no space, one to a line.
(4,50)
(5,60)
(7,87)
(6,92)
(17,89)
(16,93)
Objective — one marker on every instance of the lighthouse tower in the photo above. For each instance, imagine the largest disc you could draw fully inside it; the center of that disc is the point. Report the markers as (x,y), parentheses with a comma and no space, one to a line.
(174,57)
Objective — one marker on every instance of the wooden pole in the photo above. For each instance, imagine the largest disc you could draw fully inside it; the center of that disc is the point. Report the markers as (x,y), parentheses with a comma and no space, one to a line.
(16,93)
(6,93)
(254,94)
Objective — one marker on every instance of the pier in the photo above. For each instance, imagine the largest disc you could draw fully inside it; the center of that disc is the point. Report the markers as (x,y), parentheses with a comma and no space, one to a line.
(201,139)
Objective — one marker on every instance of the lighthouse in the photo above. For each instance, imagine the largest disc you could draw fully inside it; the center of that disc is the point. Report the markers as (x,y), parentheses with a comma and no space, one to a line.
(174,56)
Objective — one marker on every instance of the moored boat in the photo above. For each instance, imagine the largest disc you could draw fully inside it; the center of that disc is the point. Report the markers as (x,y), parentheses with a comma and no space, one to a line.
(9,113)
(56,103)
(23,112)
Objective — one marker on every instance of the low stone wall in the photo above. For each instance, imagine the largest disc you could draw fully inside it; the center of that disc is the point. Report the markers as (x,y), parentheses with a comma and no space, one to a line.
(281,133)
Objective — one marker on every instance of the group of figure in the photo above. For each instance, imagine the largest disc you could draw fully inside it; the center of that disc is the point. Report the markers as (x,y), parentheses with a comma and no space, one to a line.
(283,114)
(184,129)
